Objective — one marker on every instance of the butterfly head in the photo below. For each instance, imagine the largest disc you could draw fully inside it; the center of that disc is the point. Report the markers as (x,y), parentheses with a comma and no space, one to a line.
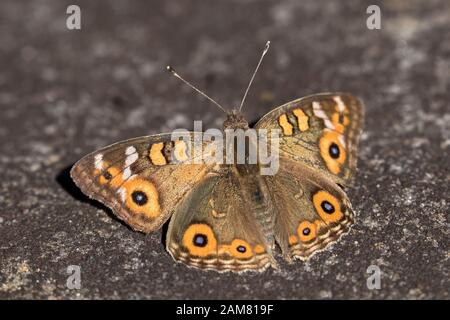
(235,120)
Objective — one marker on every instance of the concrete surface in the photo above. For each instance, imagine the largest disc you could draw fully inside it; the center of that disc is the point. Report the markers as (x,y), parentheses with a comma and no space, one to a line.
(64,93)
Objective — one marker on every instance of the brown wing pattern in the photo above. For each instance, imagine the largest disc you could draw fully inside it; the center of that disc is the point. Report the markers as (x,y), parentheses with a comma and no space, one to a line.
(139,179)
(214,227)
(311,210)
(322,131)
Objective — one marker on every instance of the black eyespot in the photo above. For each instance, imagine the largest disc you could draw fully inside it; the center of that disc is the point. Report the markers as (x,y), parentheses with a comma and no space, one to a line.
(241,249)
(139,197)
(327,207)
(334,150)
(107,175)
(200,240)
(306,231)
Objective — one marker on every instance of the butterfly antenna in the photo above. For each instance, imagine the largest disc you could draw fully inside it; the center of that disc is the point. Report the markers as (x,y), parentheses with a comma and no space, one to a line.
(266,48)
(172,71)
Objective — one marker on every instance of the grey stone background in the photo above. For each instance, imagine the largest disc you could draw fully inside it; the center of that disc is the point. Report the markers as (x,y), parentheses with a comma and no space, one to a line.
(65,93)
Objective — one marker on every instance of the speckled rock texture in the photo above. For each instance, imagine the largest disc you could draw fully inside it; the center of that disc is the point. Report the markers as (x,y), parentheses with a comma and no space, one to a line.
(65,93)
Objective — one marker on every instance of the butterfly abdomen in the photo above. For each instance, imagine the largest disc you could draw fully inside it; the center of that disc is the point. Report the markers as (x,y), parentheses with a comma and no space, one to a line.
(257,193)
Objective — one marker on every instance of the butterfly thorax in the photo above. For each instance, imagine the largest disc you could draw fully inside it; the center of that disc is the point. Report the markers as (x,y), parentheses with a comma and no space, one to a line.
(235,120)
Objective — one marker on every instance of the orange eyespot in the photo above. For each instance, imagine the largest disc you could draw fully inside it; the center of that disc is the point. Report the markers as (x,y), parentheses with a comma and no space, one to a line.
(142,197)
(306,231)
(332,151)
(111,175)
(240,249)
(327,206)
(199,239)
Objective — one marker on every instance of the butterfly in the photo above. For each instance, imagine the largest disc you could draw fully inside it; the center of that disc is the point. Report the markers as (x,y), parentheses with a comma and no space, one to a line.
(230,217)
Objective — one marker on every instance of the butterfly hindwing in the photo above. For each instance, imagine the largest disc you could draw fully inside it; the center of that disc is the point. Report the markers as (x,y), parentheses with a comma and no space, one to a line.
(312,211)
(214,227)
(140,179)
(321,131)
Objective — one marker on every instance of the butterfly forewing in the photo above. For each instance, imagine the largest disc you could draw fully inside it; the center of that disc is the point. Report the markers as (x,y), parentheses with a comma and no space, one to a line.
(139,179)
(321,131)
